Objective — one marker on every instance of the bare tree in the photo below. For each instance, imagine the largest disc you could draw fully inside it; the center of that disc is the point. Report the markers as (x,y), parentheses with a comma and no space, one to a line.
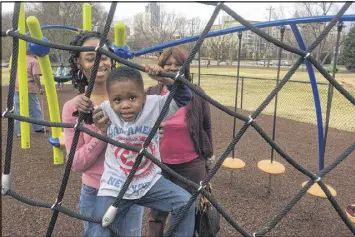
(6,42)
(170,27)
(56,13)
(165,31)
(311,31)
(222,47)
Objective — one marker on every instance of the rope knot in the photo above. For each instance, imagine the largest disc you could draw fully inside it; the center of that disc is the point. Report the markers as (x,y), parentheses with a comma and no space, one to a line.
(56,204)
(5,183)
(317,179)
(8,31)
(77,124)
(250,120)
(201,187)
(141,151)
(178,75)
(7,110)
(97,48)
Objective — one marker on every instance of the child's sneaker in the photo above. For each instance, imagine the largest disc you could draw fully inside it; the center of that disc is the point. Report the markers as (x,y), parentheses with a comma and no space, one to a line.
(350,211)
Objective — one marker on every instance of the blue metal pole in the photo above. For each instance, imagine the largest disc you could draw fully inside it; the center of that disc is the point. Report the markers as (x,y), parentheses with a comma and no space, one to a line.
(317,104)
(56,27)
(291,21)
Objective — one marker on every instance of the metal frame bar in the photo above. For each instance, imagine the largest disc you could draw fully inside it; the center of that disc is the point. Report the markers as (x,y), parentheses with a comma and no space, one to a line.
(316,98)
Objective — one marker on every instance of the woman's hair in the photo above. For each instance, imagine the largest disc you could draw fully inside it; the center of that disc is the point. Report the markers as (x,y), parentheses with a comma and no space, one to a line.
(78,78)
(179,54)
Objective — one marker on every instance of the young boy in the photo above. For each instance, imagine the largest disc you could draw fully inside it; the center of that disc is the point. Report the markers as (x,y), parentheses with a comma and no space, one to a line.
(132,115)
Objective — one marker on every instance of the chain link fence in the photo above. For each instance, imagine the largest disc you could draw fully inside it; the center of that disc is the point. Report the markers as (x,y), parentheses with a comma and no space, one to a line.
(295,100)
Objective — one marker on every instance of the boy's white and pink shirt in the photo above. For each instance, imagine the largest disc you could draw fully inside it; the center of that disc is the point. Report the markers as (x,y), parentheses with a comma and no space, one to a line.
(119,161)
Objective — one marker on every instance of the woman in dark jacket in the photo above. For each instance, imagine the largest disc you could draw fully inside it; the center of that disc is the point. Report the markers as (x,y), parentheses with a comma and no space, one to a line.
(186,146)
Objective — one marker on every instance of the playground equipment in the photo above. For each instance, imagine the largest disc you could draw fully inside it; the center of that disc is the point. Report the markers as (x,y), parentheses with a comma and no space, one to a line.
(233,162)
(305,54)
(316,190)
(57,138)
(41,52)
(119,47)
(120,38)
(293,22)
(87,25)
(270,166)
(46,69)
(22,80)
(58,141)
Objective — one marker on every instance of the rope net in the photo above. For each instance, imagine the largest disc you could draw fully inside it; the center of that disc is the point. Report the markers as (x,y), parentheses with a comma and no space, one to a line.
(179,78)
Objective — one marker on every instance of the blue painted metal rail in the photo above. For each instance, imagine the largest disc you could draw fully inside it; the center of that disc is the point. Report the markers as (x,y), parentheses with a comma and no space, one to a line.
(312,78)
(45,27)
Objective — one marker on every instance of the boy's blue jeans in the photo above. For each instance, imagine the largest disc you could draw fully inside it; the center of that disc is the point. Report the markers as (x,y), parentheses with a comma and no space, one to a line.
(60,85)
(34,111)
(164,195)
(88,199)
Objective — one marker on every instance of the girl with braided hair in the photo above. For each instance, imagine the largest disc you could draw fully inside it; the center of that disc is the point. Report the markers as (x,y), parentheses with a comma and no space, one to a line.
(90,152)
(80,81)
(186,146)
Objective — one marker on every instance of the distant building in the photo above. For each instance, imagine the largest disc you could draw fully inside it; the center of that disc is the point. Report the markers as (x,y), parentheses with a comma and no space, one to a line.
(154,10)
(148,19)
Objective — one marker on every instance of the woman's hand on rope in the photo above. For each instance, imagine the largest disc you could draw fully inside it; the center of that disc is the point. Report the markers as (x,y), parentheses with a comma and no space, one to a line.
(209,163)
(83,104)
(101,121)
(154,70)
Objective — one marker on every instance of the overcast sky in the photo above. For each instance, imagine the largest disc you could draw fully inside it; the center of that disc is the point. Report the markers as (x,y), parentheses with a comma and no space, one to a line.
(250,11)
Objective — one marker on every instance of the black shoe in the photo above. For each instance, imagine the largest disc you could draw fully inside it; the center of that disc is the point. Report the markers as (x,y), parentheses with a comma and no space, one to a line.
(42,131)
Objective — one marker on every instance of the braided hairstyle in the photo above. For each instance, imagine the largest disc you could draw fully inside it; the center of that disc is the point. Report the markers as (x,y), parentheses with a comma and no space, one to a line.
(78,78)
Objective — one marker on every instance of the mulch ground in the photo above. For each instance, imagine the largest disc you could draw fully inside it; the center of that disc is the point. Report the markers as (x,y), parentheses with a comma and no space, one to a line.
(243,193)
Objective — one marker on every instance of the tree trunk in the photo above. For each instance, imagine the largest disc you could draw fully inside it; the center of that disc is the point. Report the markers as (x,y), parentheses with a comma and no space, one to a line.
(326,57)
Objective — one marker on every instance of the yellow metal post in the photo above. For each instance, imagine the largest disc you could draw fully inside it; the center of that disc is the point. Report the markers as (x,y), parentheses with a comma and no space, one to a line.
(23,82)
(120,35)
(52,98)
(87,17)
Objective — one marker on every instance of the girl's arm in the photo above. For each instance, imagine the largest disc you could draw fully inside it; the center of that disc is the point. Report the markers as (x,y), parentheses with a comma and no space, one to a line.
(86,154)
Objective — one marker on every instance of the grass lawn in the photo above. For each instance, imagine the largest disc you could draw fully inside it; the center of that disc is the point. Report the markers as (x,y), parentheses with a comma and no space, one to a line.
(295,100)
(300,75)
